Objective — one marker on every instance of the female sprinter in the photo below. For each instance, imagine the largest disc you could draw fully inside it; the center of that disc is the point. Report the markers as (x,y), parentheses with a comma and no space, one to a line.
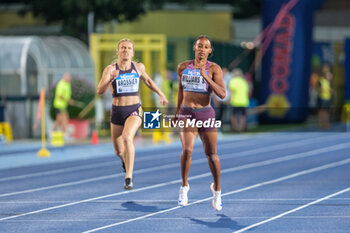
(126,116)
(198,78)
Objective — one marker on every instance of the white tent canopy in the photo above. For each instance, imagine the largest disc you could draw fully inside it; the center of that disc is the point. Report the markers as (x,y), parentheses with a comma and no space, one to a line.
(29,63)
(42,59)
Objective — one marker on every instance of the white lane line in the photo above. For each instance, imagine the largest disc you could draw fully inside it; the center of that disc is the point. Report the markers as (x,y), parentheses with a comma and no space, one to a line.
(132,219)
(88,180)
(90,200)
(57,171)
(292,211)
(147,158)
(283,178)
(283,146)
(276,160)
(157,219)
(174,201)
(61,185)
(197,161)
(84,167)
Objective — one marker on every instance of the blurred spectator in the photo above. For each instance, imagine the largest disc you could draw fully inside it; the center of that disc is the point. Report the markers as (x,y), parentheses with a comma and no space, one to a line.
(313,90)
(222,104)
(324,98)
(63,93)
(239,90)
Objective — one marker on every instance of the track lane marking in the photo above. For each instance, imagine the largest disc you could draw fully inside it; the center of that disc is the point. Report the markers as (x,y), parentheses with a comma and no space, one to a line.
(283,178)
(197,161)
(161,155)
(292,210)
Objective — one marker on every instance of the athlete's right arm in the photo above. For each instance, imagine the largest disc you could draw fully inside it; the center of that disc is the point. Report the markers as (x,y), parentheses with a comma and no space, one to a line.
(108,74)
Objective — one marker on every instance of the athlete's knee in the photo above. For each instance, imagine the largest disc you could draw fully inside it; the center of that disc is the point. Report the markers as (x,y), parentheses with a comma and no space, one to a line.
(127,140)
(212,157)
(187,151)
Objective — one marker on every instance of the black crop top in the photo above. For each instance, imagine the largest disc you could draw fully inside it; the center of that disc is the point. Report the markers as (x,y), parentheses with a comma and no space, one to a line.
(127,82)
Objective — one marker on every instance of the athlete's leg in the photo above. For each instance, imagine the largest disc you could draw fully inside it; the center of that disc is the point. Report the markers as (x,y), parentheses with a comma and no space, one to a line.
(131,126)
(116,132)
(188,137)
(209,140)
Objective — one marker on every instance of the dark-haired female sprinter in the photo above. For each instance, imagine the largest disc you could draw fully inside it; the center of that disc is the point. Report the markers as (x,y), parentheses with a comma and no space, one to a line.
(198,79)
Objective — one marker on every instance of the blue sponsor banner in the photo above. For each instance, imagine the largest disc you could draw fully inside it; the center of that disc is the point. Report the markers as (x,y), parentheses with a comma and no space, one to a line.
(347,69)
(286,65)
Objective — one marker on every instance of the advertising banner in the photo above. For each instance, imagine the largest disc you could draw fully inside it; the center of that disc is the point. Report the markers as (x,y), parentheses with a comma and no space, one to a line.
(286,63)
(347,69)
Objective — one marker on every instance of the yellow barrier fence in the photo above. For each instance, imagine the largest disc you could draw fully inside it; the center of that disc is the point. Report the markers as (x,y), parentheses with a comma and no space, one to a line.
(6,131)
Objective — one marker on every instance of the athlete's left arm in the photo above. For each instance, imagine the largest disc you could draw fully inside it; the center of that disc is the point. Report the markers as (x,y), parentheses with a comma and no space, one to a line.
(217,82)
(150,84)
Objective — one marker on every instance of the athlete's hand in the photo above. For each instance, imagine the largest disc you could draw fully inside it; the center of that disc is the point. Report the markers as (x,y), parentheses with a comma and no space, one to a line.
(163,100)
(114,74)
(202,71)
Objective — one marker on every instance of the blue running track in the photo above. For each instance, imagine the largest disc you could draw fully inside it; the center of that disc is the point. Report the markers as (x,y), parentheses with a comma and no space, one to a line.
(276,182)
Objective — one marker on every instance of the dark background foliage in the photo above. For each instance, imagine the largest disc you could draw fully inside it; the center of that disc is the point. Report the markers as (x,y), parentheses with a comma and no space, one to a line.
(72,15)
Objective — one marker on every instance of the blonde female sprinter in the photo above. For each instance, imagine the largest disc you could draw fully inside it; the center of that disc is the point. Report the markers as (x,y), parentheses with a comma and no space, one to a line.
(126,116)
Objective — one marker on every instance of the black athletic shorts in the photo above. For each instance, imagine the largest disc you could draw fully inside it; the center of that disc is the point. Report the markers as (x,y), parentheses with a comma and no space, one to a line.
(119,114)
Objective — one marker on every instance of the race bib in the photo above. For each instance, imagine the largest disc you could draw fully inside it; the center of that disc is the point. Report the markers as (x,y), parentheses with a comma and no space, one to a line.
(127,83)
(193,81)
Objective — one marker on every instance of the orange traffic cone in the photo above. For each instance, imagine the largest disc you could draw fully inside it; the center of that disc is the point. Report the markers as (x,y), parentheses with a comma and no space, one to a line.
(94,137)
